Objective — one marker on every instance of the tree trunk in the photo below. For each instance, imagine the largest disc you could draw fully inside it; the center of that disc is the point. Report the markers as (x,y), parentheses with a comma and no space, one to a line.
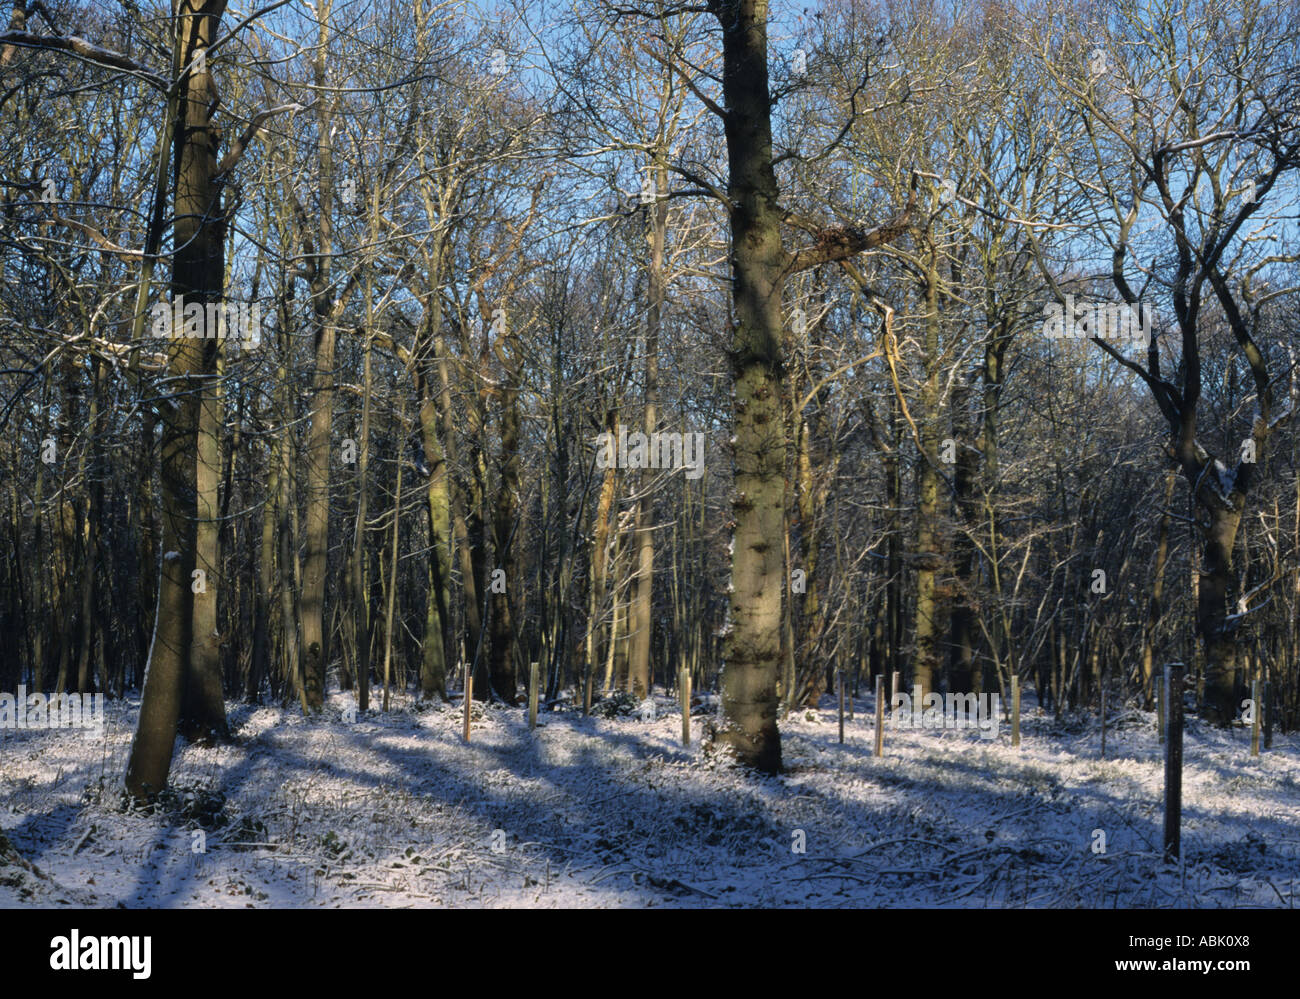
(315,563)
(1212,608)
(600,557)
(203,706)
(926,623)
(357,576)
(1154,607)
(433,666)
(753,644)
(260,664)
(641,618)
(474,536)
(504,514)
(964,677)
(196,263)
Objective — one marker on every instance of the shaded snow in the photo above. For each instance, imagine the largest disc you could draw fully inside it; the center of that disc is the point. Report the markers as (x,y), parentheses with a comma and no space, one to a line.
(397,811)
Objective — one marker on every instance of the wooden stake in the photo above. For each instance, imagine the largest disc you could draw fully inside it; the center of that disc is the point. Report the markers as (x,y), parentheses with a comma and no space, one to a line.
(684,687)
(1015,712)
(1173,698)
(1255,719)
(469,696)
(1103,720)
(532,696)
(839,688)
(1160,705)
(1268,714)
(880,714)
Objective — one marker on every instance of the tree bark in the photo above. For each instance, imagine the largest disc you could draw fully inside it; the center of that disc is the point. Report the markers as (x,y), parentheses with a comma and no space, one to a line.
(505,512)
(195,263)
(926,622)
(753,646)
(641,619)
(325,307)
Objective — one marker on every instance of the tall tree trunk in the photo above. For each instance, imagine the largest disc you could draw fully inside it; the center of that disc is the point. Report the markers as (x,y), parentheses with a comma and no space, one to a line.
(147,549)
(474,547)
(1000,641)
(196,265)
(505,512)
(600,557)
(1154,606)
(895,594)
(392,577)
(641,619)
(752,651)
(471,582)
(360,586)
(433,666)
(260,663)
(315,562)
(619,650)
(813,479)
(964,677)
(926,623)
(90,563)
(1212,609)
(203,707)
(287,522)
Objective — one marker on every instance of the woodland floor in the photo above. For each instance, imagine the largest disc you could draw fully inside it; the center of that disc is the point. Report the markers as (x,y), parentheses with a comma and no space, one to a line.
(396,811)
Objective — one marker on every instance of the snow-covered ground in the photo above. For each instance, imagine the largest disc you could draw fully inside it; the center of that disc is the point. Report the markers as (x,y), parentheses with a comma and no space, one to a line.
(396,811)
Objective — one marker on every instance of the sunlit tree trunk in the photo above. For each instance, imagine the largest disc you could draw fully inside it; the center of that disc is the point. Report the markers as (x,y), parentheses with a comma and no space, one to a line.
(196,264)
(641,619)
(927,626)
(752,650)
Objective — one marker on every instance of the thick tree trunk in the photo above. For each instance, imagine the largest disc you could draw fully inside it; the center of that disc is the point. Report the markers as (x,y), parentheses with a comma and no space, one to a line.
(196,262)
(1154,606)
(1212,609)
(325,307)
(203,706)
(753,645)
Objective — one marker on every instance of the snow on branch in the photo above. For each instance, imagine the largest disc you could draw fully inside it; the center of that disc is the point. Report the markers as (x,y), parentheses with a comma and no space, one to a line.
(86,50)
